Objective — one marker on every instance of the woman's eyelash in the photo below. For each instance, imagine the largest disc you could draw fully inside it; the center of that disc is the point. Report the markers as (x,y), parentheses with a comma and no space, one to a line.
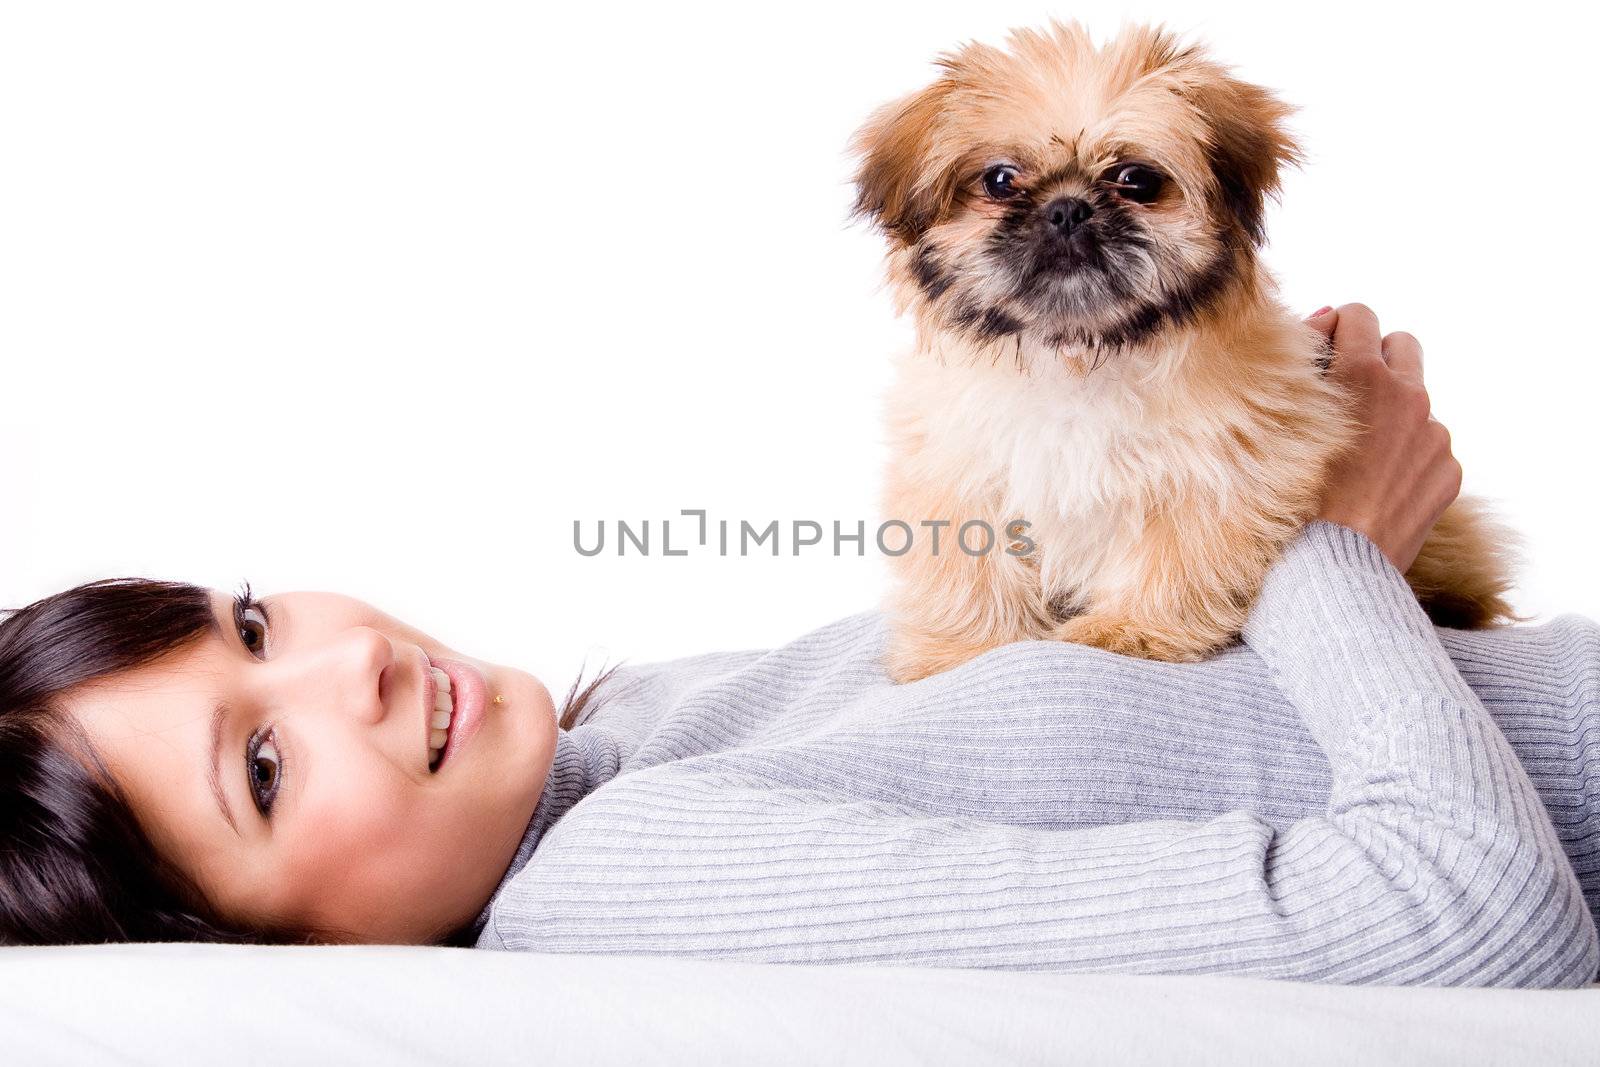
(243,603)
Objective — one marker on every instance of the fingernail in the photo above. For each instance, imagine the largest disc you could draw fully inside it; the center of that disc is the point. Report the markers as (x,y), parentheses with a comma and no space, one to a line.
(1317,314)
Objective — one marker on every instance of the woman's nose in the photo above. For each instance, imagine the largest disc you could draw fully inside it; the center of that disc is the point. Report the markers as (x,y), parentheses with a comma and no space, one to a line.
(346,676)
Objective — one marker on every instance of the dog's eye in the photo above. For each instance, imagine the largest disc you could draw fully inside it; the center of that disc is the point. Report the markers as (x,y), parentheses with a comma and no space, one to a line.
(1136,183)
(1000,182)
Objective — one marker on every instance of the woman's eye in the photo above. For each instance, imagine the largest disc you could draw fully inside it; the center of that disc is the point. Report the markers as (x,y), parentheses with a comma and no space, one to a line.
(1133,182)
(255,640)
(1000,182)
(250,618)
(265,769)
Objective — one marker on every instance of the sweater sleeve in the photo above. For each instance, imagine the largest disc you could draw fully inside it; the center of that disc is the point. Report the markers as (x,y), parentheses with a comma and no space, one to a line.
(1434,861)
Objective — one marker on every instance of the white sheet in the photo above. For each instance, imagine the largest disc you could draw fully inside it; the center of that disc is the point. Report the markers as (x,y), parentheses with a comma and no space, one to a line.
(230,1005)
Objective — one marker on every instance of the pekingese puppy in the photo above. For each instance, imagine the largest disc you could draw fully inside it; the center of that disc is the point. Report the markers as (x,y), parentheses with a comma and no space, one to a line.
(1101,356)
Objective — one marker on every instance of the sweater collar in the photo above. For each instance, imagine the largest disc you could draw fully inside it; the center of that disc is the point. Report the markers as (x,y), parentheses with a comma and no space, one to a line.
(585,759)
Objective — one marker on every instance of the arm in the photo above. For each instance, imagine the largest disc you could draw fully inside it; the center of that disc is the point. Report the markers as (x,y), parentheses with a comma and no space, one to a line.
(1426,789)
(1435,862)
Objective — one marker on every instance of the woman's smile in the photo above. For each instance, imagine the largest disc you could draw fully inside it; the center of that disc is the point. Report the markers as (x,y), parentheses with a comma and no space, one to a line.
(463,695)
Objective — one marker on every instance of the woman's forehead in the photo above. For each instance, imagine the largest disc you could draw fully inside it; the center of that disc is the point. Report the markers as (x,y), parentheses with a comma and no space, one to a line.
(163,691)
(150,725)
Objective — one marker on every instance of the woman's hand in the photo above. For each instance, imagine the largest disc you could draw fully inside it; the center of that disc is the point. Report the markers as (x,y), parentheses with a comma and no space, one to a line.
(1399,477)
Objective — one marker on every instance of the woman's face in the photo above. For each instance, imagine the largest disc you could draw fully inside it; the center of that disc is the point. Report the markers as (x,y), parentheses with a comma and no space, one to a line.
(284,764)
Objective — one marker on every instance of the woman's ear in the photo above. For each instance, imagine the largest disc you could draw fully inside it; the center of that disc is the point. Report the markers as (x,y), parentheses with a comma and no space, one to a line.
(893,187)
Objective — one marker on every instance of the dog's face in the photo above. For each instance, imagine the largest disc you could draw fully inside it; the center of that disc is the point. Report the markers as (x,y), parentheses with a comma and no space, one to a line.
(1077,196)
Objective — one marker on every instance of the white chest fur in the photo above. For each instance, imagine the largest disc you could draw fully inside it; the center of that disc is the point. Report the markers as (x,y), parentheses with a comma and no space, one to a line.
(1083,456)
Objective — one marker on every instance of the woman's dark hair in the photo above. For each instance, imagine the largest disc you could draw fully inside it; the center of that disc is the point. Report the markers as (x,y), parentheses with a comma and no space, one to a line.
(75,865)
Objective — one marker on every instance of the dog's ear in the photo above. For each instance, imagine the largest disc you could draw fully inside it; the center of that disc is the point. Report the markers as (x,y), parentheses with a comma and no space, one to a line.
(1249,145)
(893,187)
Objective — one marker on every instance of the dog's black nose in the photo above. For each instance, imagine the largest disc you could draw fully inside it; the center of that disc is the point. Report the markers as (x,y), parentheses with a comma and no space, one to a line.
(1067,213)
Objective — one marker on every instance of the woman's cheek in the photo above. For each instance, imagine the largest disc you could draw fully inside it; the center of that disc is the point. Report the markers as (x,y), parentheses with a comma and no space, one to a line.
(360,849)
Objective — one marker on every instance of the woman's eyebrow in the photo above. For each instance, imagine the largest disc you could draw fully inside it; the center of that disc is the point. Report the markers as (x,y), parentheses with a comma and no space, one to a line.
(219,718)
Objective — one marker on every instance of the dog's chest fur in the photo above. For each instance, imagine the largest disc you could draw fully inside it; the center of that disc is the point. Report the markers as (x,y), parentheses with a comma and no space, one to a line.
(1082,456)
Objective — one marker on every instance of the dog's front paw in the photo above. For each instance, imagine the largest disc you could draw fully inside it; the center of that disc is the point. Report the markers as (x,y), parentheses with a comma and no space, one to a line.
(912,658)
(1128,637)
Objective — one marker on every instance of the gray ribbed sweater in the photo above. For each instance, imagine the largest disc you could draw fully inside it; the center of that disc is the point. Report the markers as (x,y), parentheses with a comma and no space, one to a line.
(1331,800)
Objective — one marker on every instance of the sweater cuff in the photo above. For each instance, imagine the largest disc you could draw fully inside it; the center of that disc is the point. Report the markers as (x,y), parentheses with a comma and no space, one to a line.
(1334,608)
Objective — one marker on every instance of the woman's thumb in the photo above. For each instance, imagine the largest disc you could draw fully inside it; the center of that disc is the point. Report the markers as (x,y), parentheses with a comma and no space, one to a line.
(1324,320)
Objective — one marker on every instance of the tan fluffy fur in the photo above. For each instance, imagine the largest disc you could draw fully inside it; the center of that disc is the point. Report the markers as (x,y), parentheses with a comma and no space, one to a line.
(1160,479)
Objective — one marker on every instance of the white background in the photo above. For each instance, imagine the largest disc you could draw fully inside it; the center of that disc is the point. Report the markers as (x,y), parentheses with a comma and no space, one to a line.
(379,298)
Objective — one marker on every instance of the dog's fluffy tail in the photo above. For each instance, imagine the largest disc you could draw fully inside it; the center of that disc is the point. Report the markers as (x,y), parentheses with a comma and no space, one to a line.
(1466,568)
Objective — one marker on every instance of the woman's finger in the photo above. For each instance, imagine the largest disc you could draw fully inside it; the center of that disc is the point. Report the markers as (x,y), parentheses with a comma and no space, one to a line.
(1323,321)
(1403,353)
(1356,335)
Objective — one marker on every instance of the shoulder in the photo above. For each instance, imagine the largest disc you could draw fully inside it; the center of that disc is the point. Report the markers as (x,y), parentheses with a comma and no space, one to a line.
(1563,652)
(851,636)
(636,697)
(1570,641)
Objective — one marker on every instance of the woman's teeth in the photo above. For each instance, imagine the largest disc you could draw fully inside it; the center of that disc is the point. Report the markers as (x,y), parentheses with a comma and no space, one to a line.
(439,722)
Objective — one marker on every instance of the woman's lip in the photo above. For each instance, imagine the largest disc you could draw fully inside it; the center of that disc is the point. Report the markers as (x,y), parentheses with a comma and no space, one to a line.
(470,693)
